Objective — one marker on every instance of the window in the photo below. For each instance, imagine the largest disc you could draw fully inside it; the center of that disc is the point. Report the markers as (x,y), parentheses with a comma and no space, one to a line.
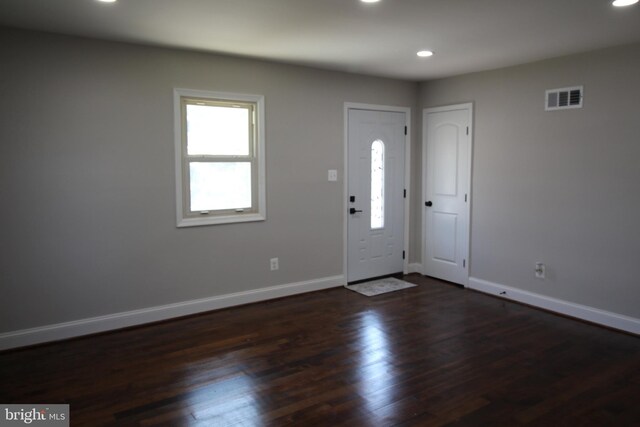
(219,141)
(377,185)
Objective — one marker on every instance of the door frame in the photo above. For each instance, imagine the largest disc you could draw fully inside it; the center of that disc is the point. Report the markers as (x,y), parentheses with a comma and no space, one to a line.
(465,106)
(407,178)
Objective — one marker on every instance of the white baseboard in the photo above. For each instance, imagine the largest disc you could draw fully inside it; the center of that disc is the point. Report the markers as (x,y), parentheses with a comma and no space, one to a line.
(414,268)
(583,312)
(110,322)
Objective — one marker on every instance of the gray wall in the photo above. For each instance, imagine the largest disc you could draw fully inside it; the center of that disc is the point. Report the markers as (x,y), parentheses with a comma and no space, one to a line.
(87,177)
(558,187)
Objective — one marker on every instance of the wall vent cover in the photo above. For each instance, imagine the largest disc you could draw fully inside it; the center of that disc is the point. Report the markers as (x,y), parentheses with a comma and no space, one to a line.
(564,98)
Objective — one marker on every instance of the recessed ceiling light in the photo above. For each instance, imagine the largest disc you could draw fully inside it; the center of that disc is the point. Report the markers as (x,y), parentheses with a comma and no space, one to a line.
(107,1)
(425,53)
(622,3)
(369,1)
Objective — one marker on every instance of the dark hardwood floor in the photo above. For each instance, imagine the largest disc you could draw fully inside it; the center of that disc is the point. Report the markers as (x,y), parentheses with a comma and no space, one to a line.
(426,356)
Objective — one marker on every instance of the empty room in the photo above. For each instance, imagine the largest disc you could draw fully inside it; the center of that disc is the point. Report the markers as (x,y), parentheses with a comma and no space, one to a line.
(309,213)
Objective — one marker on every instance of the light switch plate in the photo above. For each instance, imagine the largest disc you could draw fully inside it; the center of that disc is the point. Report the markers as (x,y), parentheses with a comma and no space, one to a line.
(333,175)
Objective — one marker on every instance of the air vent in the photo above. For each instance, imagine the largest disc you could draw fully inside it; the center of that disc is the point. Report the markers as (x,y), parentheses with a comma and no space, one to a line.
(564,98)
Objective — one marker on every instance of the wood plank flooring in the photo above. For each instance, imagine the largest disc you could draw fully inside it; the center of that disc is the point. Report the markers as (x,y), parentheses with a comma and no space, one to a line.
(432,355)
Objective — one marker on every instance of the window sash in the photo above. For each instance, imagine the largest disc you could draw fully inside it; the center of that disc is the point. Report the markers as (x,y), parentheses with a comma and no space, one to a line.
(250,106)
(187,187)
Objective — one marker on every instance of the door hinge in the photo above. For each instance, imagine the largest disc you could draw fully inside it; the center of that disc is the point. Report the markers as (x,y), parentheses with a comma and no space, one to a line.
(405,193)
(405,130)
(464,263)
(467,130)
(403,254)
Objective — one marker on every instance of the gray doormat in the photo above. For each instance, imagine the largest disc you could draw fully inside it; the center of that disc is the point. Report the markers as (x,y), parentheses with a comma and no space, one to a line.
(381,286)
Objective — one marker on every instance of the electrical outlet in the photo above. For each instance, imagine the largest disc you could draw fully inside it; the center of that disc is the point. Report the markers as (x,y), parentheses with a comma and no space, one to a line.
(541,271)
(275,264)
(332,175)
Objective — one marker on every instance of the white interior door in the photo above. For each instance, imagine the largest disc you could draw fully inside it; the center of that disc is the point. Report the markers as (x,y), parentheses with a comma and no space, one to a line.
(376,170)
(447,166)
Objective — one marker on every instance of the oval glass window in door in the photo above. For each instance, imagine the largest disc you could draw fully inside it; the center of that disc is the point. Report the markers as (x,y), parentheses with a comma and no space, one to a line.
(377,184)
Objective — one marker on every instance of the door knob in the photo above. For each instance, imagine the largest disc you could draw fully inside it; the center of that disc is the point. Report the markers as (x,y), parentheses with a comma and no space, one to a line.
(353,211)
(428,204)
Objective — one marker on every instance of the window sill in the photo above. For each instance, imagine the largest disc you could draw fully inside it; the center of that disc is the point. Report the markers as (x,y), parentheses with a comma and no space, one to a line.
(215,220)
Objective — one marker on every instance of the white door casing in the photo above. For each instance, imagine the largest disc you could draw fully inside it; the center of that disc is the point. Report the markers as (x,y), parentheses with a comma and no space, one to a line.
(446,190)
(375,244)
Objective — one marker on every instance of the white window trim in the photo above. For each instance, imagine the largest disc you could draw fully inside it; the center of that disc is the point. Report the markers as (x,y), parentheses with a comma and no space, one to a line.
(260,214)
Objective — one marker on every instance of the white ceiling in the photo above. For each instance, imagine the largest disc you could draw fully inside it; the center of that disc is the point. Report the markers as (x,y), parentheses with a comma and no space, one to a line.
(378,39)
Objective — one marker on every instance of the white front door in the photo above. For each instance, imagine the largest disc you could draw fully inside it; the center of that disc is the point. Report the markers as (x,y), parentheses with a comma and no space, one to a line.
(447,168)
(376,170)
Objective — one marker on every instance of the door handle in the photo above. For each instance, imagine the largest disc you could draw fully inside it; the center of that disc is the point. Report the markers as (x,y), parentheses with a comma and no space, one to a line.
(428,204)
(354,210)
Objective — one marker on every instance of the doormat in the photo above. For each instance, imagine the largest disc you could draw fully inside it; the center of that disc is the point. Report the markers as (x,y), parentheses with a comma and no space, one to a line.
(381,286)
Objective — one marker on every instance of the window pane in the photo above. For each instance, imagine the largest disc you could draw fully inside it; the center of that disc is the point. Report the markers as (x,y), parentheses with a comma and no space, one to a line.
(217,130)
(377,184)
(220,185)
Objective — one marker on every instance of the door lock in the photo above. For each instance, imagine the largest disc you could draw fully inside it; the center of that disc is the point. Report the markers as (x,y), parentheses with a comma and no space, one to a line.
(354,210)
(428,204)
